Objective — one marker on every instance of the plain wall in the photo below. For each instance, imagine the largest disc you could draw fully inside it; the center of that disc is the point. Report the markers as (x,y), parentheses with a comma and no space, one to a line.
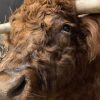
(5,8)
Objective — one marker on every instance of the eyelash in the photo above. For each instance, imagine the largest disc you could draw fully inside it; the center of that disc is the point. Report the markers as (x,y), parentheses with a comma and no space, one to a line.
(66,28)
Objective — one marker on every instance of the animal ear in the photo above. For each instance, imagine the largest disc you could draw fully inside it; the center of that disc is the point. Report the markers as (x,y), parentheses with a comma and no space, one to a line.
(91,23)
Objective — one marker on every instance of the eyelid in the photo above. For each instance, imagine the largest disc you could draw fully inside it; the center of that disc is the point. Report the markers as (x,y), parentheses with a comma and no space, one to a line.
(70,24)
(67,27)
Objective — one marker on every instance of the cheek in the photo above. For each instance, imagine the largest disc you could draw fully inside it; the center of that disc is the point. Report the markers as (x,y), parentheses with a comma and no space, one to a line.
(66,68)
(63,40)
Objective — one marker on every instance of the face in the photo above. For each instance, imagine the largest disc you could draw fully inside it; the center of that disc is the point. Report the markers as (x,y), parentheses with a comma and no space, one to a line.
(45,55)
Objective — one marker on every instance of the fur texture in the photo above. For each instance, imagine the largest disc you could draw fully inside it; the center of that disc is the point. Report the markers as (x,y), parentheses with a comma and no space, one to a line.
(56,51)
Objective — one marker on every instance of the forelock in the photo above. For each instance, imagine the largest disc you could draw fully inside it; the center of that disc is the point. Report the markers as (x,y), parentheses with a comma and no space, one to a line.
(37,9)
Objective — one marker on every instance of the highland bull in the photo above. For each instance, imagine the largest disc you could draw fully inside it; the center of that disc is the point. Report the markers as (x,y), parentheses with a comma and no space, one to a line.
(53,53)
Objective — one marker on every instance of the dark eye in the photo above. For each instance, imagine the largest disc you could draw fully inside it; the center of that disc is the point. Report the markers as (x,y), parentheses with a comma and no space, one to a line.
(66,28)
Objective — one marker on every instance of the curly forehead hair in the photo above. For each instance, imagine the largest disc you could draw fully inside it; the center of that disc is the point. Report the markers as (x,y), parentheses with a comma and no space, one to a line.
(64,3)
(35,9)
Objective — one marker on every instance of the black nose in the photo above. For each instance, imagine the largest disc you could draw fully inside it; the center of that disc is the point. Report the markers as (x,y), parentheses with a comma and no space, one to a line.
(17,86)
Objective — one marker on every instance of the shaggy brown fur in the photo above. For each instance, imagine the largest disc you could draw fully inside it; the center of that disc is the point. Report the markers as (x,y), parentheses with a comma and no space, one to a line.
(55,51)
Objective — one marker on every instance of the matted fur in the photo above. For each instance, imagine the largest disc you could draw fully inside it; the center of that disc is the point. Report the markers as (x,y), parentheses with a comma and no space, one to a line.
(57,65)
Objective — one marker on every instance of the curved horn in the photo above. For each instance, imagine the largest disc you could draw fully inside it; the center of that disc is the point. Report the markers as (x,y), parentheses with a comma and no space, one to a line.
(4,28)
(87,6)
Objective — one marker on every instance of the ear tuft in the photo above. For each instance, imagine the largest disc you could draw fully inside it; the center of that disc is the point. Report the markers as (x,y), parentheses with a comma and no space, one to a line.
(92,24)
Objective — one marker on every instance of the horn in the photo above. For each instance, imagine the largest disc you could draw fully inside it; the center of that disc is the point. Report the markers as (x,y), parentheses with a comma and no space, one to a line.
(87,6)
(4,28)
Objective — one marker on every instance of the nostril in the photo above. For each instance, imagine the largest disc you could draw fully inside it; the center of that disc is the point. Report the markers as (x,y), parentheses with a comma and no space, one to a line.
(17,88)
